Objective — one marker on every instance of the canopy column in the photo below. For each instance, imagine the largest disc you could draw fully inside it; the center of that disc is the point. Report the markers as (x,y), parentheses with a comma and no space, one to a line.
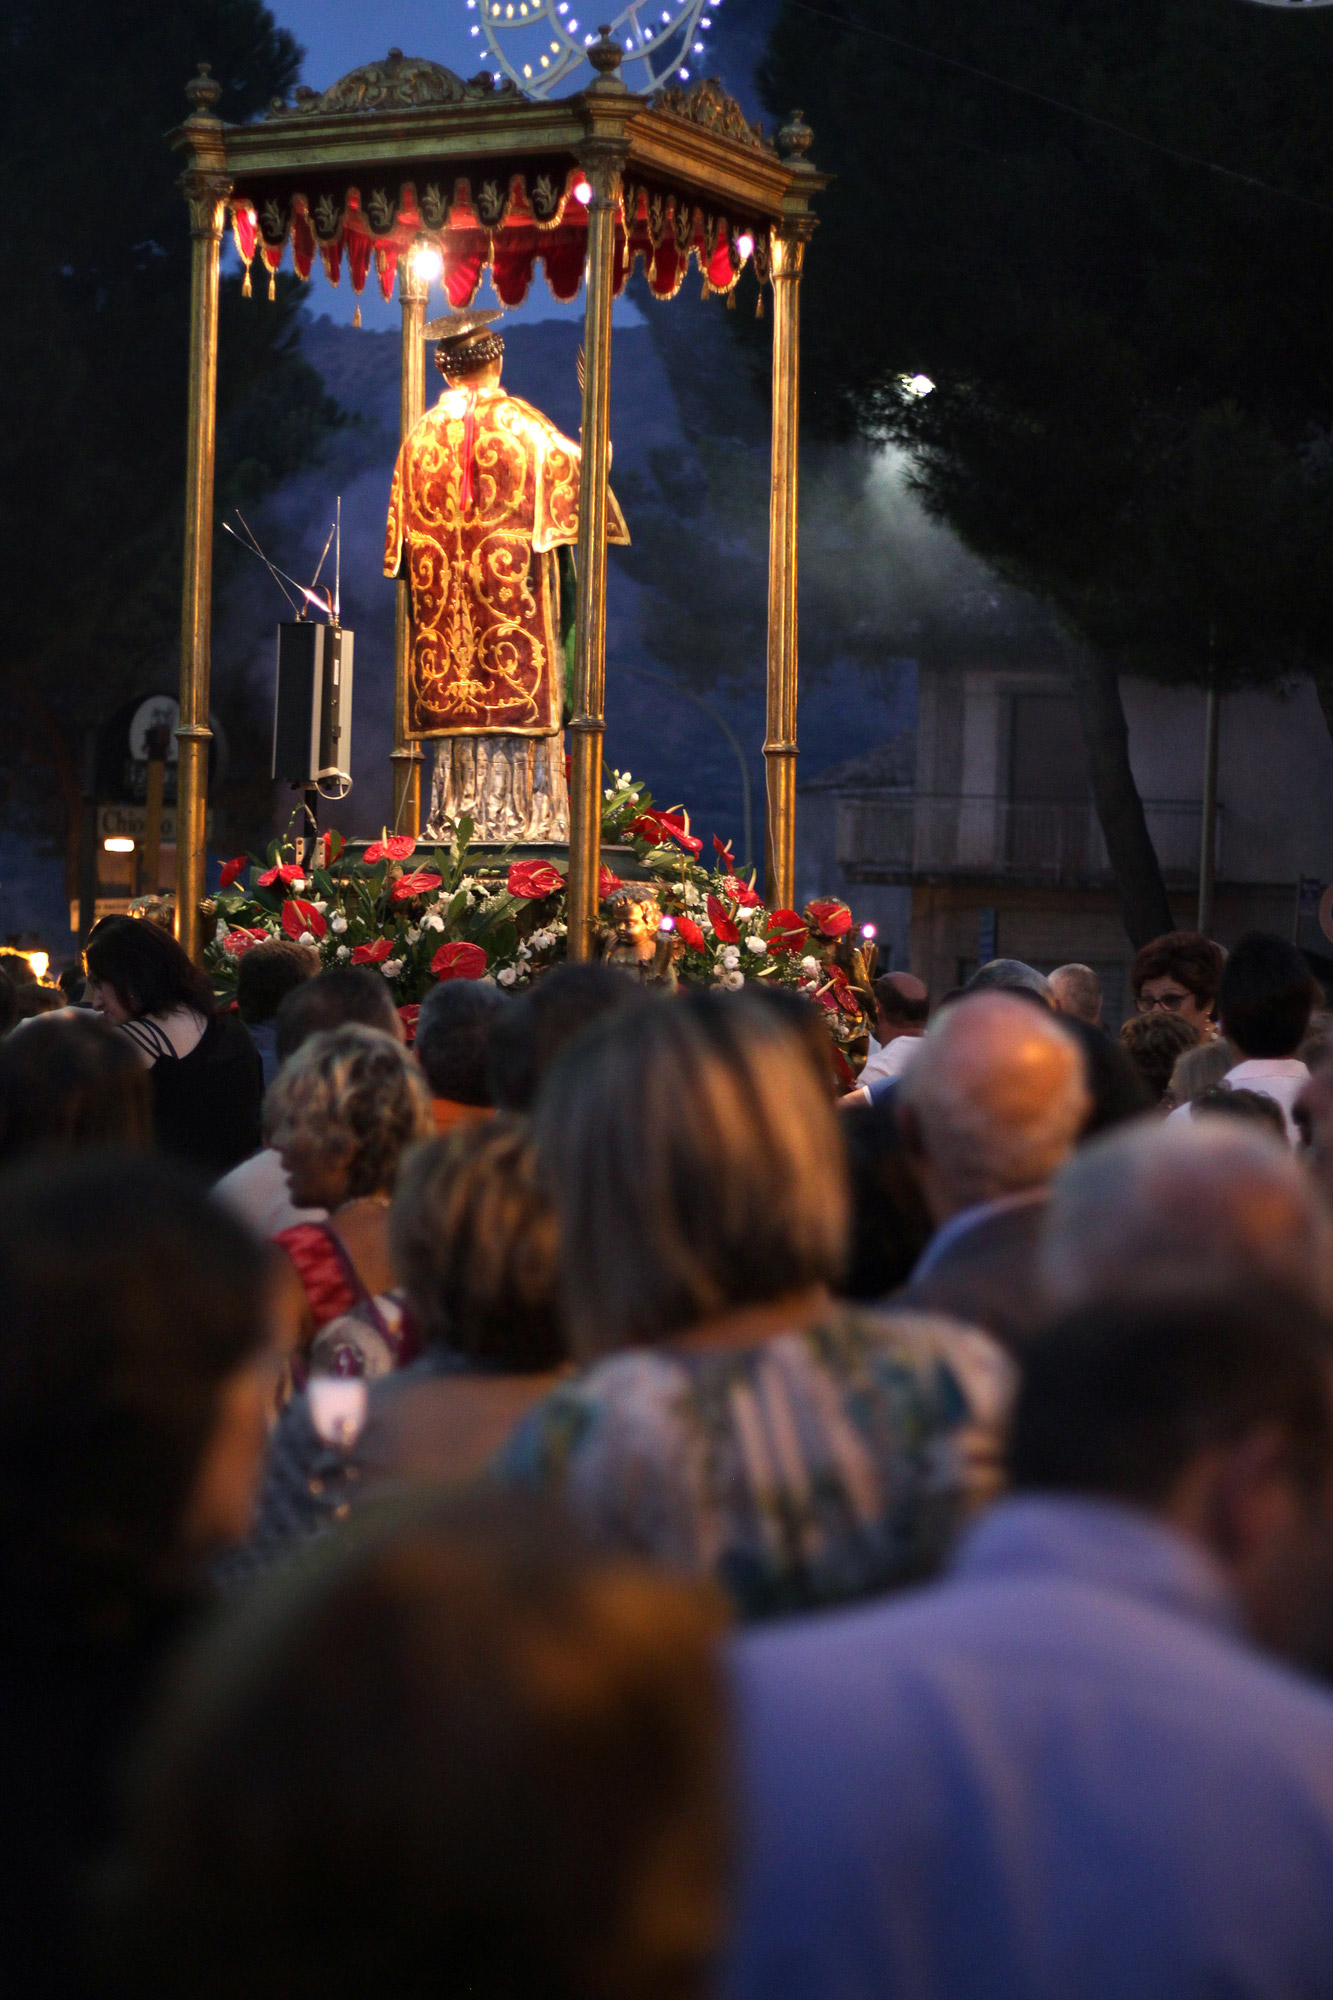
(780,749)
(206,188)
(406,754)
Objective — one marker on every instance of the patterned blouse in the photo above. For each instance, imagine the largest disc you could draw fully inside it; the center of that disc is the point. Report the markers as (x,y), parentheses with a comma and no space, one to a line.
(808,1469)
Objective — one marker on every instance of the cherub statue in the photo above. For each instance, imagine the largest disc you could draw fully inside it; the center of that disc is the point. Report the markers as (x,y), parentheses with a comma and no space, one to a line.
(631,936)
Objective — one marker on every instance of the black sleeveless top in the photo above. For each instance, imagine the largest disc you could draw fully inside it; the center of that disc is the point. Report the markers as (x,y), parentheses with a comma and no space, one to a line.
(206,1105)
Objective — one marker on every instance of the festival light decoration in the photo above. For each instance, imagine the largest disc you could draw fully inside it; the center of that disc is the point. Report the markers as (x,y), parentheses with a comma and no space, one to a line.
(542,43)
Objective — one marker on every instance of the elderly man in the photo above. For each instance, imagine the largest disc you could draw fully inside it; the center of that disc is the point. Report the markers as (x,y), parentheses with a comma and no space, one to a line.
(989,1111)
(1077,990)
(1154,1208)
(902,1004)
(1069,1769)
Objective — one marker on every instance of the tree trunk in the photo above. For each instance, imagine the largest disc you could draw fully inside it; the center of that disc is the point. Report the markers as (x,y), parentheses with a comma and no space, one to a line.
(1143,899)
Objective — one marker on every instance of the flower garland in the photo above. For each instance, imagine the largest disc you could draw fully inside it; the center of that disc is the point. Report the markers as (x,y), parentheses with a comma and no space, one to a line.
(420,914)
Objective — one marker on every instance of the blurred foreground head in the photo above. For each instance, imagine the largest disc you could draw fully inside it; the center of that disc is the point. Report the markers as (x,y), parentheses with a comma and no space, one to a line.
(453,1754)
(994,1101)
(1157,1208)
(68,1084)
(134,1389)
(1213,1412)
(693,1156)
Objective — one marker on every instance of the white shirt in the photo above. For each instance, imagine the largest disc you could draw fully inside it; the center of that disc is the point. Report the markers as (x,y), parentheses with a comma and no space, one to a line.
(1280,1077)
(258,1193)
(893,1058)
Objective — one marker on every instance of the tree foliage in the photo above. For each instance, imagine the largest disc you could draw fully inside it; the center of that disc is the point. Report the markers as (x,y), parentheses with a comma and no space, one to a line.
(93,364)
(1133,415)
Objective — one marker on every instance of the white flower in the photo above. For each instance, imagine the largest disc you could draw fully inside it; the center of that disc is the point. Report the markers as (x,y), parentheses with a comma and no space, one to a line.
(525,951)
(306,937)
(559,930)
(413,934)
(392,967)
(625,777)
(319,903)
(297,882)
(733,981)
(338,924)
(756,944)
(431,922)
(731,958)
(810,967)
(506,975)
(343,953)
(691,893)
(541,940)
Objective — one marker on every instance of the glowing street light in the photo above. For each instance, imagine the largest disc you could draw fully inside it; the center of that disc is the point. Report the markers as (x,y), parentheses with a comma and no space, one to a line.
(118,843)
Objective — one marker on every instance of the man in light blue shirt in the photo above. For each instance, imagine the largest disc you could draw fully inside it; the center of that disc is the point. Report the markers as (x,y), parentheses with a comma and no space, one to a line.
(1068,1772)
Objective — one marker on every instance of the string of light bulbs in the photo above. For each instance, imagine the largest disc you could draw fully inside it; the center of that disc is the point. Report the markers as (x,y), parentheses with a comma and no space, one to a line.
(540,43)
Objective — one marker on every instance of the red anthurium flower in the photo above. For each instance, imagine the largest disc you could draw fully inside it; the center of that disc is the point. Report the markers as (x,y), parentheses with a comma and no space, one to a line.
(299,916)
(373,954)
(607,884)
(238,941)
(655,827)
(289,872)
(649,828)
(231,869)
(788,931)
(741,892)
(843,1070)
(830,919)
(396,849)
(459,961)
(842,991)
(418,884)
(693,936)
(408,1017)
(723,929)
(724,855)
(533,879)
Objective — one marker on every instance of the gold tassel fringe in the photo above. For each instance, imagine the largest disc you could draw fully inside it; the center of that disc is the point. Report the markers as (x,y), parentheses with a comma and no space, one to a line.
(247,289)
(272,285)
(759,306)
(731,300)
(356,316)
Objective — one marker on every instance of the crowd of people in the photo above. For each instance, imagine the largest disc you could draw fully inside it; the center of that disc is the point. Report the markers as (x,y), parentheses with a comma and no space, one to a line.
(580,1506)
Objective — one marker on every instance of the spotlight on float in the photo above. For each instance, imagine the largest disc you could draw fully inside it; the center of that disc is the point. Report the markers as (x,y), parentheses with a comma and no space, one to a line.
(426,261)
(582,192)
(869,932)
(745,246)
(915,386)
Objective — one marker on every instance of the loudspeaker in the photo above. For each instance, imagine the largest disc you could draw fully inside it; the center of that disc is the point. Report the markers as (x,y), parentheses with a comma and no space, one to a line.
(312,711)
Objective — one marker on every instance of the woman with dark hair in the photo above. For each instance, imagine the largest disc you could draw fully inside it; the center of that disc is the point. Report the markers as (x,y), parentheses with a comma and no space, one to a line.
(730,1418)
(207,1078)
(135,1382)
(452,1753)
(70,1083)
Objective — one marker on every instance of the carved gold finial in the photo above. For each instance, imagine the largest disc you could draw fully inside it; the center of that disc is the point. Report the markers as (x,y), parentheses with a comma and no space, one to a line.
(795,140)
(203,92)
(605,55)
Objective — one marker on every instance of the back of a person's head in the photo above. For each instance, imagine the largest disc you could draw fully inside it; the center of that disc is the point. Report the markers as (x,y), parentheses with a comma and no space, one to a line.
(343,995)
(1117,1399)
(451,1754)
(71,1083)
(1009,975)
(903,1000)
(996,1097)
(1188,957)
(455,1027)
(694,1160)
(809,1021)
(1077,991)
(1211,1199)
(1265,996)
(1115,1086)
(36,999)
(130,1299)
(891,1224)
(1250,1106)
(16,966)
(475,1245)
(1155,1043)
(356,1091)
(534,1028)
(145,967)
(1200,1068)
(267,973)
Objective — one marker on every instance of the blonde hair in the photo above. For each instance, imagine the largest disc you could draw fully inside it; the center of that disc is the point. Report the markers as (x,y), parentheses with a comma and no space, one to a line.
(695,1164)
(358,1085)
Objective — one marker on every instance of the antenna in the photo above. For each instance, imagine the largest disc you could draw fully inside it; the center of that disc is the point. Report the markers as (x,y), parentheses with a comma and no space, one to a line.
(280,576)
(338,560)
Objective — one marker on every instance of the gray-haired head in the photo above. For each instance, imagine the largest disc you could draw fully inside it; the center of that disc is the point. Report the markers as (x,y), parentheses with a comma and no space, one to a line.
(1009,975)
(1184,1205)
(1076,989)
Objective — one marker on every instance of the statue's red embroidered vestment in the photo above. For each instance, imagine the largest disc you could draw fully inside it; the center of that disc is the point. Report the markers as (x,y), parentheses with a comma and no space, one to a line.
(484,491)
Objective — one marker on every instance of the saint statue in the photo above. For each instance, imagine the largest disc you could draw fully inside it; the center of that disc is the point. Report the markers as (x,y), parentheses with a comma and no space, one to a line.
(483,518)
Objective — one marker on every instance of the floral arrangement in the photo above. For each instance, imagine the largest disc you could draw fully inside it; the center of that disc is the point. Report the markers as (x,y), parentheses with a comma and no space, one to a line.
(423,912)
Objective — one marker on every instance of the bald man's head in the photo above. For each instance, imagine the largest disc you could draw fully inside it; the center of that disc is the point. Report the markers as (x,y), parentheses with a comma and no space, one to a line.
(1156,1207)
(993,1103)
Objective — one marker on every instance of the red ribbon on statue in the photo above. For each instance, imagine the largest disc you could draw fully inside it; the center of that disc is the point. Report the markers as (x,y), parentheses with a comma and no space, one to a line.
(469,444)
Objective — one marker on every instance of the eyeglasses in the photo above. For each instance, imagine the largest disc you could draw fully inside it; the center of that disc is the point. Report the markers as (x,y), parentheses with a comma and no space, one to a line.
(1172,1002)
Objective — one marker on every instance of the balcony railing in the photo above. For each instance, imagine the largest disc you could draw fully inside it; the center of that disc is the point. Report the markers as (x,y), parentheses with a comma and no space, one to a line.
(1013,839)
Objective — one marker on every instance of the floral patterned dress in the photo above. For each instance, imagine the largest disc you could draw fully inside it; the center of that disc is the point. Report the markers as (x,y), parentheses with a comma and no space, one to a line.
(809,1468)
